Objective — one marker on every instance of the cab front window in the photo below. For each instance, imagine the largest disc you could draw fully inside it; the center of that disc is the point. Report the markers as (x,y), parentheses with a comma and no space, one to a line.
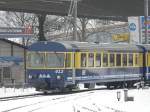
(47,60)
(55,60)
(36,59)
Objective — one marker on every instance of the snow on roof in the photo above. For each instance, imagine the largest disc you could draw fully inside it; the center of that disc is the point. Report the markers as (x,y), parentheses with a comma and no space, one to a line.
(10,60)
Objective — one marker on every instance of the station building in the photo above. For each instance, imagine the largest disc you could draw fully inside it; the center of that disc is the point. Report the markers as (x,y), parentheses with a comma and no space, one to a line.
(12,56)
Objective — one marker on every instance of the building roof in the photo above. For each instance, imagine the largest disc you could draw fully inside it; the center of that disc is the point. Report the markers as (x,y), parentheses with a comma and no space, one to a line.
(6,61)
(13,43)
(11,58)
(86,8)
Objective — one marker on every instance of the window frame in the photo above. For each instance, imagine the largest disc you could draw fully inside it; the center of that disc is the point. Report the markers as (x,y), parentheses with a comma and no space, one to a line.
(89,58)
(107,63)
(136,60)
(120,64)
(129,60)
(29,63)
(86,62)
(71,61)
(148,59)
(100,64)
(46,60)
(110,64)
(124,64)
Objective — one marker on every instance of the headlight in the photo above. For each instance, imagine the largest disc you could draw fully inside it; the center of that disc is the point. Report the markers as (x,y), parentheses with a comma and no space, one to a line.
(58,77)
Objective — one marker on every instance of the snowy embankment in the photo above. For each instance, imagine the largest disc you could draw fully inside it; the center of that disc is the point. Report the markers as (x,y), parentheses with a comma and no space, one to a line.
(106,101)
(8,92)
(91,101)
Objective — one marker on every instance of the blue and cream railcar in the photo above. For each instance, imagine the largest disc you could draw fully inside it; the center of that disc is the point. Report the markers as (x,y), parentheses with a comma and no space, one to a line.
(49,64)
(59,65)
(109,64)
(147,63)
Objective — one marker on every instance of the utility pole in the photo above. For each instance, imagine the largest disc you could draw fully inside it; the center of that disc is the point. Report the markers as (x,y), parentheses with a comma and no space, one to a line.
(146,21)
(74,32)
(146,39)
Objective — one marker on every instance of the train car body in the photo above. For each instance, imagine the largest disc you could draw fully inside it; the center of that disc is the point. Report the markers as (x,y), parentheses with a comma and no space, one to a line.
(146,66)
(59,65)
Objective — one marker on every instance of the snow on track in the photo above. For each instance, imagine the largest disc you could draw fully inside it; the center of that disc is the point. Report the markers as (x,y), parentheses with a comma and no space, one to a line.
(89,101)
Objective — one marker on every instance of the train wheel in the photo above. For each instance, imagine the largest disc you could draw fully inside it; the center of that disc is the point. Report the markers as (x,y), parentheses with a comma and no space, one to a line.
(91,86)
(72,87)
(130,85)
(64,90)
(86,85)
(45,92)
(37,89)
(115,86)
(111,85)
(108,86)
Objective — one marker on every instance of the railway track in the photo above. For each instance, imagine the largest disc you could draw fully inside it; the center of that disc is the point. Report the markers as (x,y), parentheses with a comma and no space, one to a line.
(95,108)
(58,98)
(42,94)
(49,101)
(20,97)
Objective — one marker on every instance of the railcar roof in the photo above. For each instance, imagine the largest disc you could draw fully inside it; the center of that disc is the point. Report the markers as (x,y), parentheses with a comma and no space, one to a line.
(49,46)
(102,46)
(66,46)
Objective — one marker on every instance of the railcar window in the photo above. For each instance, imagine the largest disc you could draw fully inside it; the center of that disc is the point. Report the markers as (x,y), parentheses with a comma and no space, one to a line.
(37,59)
(130,60)
(98,60)
(124,56)
(148,59)
(91,60)
(140,59)
(68,60)
(112,60)
(105,60)
(136,59)
(83,59)
(55,60)
(118,59)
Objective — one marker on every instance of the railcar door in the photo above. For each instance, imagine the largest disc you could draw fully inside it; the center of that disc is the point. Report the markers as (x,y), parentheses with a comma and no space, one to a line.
(73,68)
(147,60)
(69,66)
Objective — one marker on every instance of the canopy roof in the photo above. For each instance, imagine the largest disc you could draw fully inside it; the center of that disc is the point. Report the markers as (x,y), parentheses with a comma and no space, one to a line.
(6,61)
(86,8)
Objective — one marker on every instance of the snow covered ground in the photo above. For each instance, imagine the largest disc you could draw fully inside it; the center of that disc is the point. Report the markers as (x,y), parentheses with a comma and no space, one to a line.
(6,92)
(90,101)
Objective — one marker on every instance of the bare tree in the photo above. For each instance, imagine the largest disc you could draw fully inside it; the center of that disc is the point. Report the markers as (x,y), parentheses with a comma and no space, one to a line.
(84,22)
(41,19)
(17,19)
(54,25)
